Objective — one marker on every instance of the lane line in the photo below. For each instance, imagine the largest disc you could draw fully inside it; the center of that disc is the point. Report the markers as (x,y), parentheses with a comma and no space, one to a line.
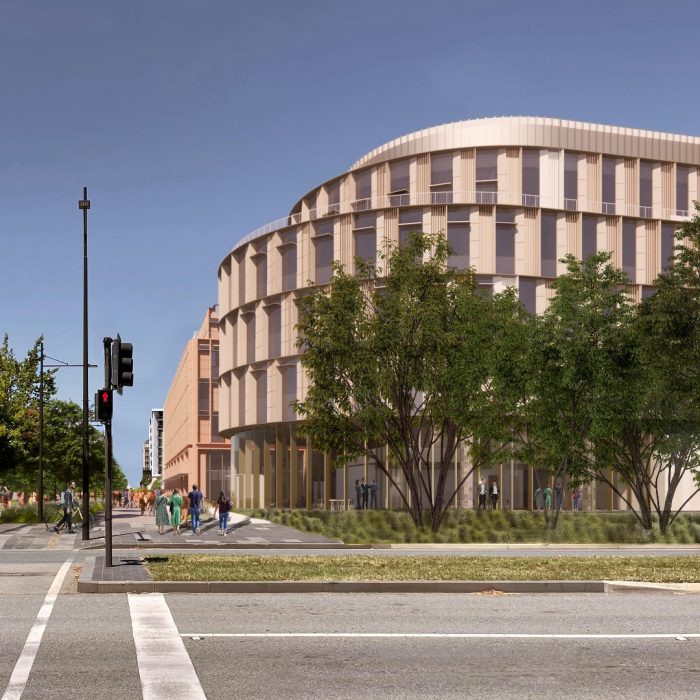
(165,667)
(440,635)
(23,667)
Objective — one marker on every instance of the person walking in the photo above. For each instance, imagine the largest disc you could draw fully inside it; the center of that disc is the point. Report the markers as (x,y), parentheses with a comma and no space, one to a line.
(224,505)
(373,488)
(548,498)
(365,492)
(494,495)
(68,503)
(558,495)
(482,495)
(358,495)
(195,498)
(162,516)
(176,510)
(577,499)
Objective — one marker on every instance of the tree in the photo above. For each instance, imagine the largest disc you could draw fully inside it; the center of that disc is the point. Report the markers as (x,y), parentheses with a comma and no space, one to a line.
(19,412)
(567,363)
(63,449)
(405,359)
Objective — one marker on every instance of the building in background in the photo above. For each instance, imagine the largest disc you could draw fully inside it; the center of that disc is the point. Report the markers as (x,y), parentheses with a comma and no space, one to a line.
(155,443)
(146,475)
(514,195)
(194,452)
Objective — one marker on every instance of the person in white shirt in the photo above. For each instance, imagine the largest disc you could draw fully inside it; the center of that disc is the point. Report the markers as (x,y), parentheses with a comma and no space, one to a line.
(494,495)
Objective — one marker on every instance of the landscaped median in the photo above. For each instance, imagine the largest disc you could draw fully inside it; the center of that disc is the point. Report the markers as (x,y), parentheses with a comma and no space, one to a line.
(679,569)
(390,574)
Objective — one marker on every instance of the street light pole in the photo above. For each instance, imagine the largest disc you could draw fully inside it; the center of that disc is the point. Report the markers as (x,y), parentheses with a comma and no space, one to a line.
(84,205)
(40,504)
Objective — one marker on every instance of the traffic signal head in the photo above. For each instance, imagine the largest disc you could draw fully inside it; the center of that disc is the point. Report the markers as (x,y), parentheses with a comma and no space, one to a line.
(122,364)
(104,405)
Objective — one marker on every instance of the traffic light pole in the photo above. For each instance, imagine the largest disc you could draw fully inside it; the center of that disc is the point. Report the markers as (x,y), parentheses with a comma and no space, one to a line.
(108,459)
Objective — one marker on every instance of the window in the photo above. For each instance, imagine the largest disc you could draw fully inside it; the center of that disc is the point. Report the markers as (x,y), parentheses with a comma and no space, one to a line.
(458,237)
(239,257)
(570,181)
(505,241)
(203,396)
(608,185)
(548,243)
(441,178)
(646,168)
(531,177)
(215,363)
(589,237)
(629,248)
(323,252)
(261,397)
(365,237)
(668,240)
(274,330)
(289,267)
(215,437)
(682,190)
(527,293)
(261,276)
(333,197)
(486,175)
(400,182)
(363,190)
(250,336)
(289,391)
(410,220)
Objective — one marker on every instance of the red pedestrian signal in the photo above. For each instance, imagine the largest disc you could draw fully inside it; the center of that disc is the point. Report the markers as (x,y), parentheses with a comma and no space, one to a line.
(104,405)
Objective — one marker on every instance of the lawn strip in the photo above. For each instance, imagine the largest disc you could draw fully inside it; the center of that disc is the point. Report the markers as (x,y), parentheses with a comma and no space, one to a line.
(429,568)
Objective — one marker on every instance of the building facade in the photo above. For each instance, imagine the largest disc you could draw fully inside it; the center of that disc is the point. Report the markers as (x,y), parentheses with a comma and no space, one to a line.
(155,442)
(194,452)
(146,463)
(514,195)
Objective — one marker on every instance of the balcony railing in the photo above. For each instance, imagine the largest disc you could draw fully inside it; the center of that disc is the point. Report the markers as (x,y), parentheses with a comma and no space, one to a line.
(442,198)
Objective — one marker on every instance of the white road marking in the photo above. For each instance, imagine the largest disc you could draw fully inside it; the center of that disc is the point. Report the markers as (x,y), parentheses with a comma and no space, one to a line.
(23,667)
(439,635)
(165,667)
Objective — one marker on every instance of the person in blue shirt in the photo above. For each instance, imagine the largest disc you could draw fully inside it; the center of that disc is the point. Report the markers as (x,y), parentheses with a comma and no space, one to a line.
(196,499)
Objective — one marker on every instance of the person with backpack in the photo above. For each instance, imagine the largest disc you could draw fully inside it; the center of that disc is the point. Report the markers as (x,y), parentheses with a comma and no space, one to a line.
(196,499)
(225,505)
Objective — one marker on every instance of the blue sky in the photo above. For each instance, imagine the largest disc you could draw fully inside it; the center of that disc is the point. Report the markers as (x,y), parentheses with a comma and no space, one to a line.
(193,123)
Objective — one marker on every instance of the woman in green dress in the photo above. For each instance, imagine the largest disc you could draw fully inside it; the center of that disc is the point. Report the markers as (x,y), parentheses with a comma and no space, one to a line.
(176,510)
(162,517)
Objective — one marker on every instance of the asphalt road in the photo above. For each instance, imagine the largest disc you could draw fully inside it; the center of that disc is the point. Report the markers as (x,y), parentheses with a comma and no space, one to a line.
(344,646)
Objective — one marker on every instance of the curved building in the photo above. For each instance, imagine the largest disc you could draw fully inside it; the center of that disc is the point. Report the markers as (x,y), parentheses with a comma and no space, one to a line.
(513,194)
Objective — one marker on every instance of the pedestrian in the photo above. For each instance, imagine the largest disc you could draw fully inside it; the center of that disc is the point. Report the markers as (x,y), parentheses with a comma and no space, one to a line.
(68,503)
(365,492)
(373,488)
(176,510)
(548,498)
(577,499)
(558,495)
(494,495)
(482,495)
(195,498)
(358,495)
(224,505)
(539,499)
(162,516)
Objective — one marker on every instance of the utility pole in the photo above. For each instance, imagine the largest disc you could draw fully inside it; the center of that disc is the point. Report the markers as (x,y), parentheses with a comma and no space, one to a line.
(40,504)
(84,205)
(108,455)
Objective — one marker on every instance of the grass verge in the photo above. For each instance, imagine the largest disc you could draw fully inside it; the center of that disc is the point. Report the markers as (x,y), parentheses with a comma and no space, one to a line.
(683,569)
